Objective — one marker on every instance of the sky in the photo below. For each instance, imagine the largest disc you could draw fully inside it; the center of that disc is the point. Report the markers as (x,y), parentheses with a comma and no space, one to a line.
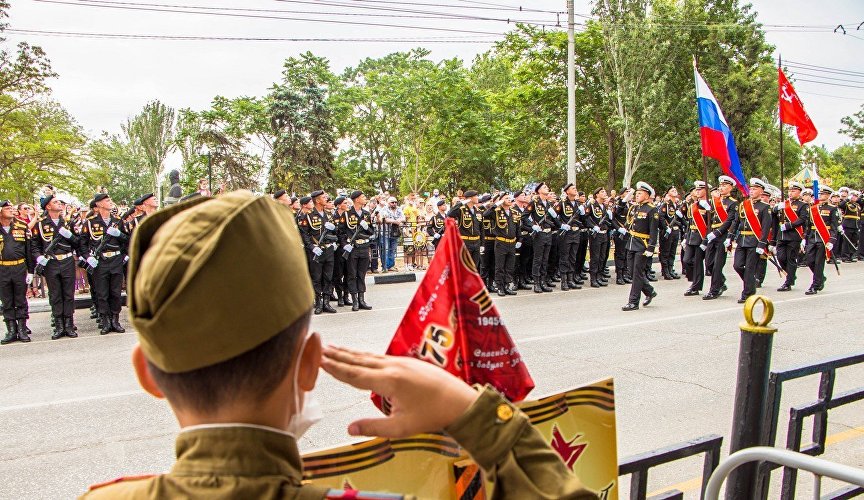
(103,81)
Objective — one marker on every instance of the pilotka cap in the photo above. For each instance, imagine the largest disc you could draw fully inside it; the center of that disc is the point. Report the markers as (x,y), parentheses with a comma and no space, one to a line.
(191,267)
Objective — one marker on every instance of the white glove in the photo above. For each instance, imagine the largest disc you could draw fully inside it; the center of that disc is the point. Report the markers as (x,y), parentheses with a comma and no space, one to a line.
(42,260)
(349,247)
(499,203)
(125,259)
(784,226)
(581,210)
(648,253)
(609,213)
(92,262)
(553,213)
(536,228)
(727,243)
(772,249)
(683,244)
(679,214)
(760,251)
(704,204)
(482,250)
(113,231)
(436,236)
(711,237)
(830,246)
(596,229)
(364,225)
(65,232)
(622,231)
(668,231)
(703,247)
(565,227)
(841,230)
(518,244)
(29,278)
(317,251)
(329,226)
(803,245)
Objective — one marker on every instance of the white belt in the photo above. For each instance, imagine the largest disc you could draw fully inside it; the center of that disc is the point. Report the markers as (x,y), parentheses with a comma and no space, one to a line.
(110,254)
(62,256)
(360,242)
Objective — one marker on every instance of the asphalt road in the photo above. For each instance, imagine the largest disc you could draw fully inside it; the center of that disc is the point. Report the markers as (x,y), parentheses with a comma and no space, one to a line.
(74,415)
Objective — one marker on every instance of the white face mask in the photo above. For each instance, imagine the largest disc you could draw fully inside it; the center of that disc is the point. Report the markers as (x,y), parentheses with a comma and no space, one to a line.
(306,409)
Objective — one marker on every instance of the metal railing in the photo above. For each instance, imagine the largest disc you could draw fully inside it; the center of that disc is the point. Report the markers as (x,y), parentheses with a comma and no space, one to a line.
(826,400)
(789,459)
(637,466)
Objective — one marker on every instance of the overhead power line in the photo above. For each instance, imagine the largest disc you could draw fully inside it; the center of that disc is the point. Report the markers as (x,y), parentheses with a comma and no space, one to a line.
(71,34)
(824,68)
(832,84)
(282,18)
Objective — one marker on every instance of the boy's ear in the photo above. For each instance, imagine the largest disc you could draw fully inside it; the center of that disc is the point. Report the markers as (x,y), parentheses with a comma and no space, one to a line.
(142,371)
(310,362)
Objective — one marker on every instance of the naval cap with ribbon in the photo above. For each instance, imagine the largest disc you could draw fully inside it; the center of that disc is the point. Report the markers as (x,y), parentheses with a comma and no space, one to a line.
(186,266)
(644,186)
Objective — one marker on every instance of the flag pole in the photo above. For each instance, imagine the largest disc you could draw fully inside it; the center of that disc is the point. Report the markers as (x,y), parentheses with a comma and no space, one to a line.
(704,161)
(782,171)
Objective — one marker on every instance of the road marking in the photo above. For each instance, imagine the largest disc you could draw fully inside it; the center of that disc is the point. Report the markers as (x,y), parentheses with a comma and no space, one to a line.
(738,307)
(112,395)
(696,482)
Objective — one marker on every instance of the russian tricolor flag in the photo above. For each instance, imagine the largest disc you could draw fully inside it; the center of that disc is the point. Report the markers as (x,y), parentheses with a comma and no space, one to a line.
(717,140)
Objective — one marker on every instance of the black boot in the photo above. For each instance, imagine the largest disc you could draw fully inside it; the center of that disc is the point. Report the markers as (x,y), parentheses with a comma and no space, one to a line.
(340,299)
(58,328)
(93,313)
(105,322)
(509,290)
(355,305)
(23,331)
(333,296)
(69,327)
(115,323)
(492,288)
(537,288)
(363,304)
(619,277)
(11,332)
(565,282)
(502,291)
(318,306)
(522,285)
(325,304)
(546,287)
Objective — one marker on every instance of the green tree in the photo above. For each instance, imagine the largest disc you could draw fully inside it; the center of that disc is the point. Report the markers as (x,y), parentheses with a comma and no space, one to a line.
(301,120)
(115,164)
(150,135)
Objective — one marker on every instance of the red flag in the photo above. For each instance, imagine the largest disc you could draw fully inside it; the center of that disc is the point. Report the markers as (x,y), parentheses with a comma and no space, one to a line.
(792,110)
(452,323)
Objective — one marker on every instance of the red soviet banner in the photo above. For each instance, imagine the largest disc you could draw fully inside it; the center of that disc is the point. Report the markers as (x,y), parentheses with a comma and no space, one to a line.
(452,323)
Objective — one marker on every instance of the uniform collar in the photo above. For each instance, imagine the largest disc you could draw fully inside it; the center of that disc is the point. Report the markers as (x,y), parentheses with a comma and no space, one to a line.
(237,450)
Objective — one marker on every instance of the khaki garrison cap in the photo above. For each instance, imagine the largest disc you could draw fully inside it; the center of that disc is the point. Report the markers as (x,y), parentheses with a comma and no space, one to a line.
(212,278)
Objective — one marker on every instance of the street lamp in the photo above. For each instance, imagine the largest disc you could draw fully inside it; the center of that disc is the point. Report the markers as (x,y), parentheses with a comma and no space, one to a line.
(206,151)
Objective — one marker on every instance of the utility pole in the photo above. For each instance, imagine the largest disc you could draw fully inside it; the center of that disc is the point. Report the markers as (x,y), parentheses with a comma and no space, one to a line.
(571,95)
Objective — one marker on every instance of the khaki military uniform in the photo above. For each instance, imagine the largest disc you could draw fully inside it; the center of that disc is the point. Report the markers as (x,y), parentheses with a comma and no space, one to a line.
(245,461)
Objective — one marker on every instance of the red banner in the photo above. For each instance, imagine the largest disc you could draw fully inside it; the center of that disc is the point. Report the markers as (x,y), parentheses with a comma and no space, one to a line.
(453,323)
(792,217)
(792,110)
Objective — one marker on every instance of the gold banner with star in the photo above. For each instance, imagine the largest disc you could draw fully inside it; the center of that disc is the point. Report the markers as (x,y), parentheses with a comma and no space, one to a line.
(579,424)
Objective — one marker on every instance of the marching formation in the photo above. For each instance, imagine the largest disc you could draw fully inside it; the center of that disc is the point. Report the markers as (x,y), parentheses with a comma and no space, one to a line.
(532,239)
(52,246)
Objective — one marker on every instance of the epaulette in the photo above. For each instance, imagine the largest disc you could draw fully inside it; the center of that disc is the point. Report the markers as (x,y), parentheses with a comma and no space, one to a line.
(121,480)
(91,216)
(360,495)
(651,204)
